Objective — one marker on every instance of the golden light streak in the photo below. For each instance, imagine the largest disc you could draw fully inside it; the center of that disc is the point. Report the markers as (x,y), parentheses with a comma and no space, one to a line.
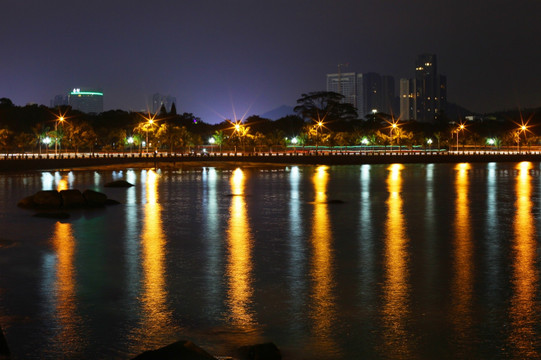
(323,310)
(396,289)
(69,338)
(156,317)
(62,185)
(239,266)
(523,303)
(462,286)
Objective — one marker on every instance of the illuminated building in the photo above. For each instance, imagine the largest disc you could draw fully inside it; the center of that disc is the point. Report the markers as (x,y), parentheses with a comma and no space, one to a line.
(86,100)
(365,91)
(430,89)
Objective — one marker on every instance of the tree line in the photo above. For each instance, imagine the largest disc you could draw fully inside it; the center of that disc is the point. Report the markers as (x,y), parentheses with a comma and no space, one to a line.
(320,119)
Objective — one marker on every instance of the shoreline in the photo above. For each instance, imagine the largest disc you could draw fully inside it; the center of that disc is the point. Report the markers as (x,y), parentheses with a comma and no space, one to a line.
(24,163)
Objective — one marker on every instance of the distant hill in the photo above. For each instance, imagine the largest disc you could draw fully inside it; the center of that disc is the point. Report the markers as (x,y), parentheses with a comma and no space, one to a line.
(278,113)
(455,111)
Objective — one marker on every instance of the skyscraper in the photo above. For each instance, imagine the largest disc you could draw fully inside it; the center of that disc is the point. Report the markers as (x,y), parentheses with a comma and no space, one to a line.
(407,99)
(86,100)
(430,89)
(345,84)
(365,91)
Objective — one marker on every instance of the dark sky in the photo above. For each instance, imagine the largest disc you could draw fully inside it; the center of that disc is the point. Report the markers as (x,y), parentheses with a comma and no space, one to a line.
(253,56)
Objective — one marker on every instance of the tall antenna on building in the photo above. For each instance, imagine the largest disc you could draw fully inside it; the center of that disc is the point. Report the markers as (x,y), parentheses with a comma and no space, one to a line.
(340,77)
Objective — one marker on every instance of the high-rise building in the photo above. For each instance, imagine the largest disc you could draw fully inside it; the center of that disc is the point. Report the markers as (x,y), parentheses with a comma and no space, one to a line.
(407,99)
(86,100)
(366,91)
(345,84)
(430,89)
(157,100)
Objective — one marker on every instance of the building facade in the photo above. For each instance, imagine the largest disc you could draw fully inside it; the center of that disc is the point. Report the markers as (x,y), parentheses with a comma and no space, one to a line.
(89,101)
(423,98)
(367,92)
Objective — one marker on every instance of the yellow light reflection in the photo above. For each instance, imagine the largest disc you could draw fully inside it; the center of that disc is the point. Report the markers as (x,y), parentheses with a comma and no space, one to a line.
(65,290)
(62,184)
(239,267)
(462,287)
(523,302)
(323,307)
(396,288)
(157,317)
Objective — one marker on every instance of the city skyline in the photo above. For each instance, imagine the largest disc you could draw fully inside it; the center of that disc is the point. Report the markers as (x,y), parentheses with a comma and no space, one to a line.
(220,60)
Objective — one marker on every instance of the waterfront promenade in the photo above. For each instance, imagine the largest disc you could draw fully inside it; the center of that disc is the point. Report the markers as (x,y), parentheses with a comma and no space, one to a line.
(19,162)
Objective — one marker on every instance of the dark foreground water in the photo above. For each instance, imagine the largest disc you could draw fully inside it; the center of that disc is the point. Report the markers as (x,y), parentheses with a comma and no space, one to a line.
(347,262)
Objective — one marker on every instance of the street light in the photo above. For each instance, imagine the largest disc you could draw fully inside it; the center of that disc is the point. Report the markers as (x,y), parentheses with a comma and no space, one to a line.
(47,141)
(60,119)
(429,142)
(130,141)
(460,128)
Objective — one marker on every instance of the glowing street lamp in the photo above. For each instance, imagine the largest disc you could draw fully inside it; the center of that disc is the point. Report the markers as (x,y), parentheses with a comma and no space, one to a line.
(429,142)
(47,141)
(460,128)
(60,119)
(365,142)
(130,141)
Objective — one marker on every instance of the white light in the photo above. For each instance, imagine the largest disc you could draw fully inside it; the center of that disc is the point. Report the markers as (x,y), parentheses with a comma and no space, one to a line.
(294,140)
(212,140)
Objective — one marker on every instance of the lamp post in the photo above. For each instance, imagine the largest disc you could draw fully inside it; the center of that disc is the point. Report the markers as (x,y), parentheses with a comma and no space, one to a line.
(429,142)
(460,128)
(130,141)
(60,119)
(318,127)
(149,124)
(212,141)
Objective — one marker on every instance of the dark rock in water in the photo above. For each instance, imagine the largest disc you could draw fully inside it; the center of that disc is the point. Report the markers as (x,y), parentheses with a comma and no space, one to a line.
(94,198)
(48,199)
(53,215)
(27,202)
(118,183)
(111,202)
(185,350)
(4,350)
(72,198)
(267,351)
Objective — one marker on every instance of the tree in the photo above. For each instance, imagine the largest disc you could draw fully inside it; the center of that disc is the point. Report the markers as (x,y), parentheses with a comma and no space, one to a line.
(219,138)
(324,106)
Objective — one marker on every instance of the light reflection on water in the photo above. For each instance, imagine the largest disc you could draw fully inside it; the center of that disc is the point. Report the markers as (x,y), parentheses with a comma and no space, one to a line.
(396,289)
(524,311)
(419,261)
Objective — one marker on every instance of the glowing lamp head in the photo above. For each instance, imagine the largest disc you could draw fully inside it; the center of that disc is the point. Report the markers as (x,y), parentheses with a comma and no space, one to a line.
(320,123)
(237,127)
(294,141)
(211,140)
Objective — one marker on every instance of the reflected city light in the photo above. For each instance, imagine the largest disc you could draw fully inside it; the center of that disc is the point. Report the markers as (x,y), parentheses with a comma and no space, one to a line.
(396,288)
(69,338)
(462,287)
(524,306)
(323,308)
(156,317)
(239,266)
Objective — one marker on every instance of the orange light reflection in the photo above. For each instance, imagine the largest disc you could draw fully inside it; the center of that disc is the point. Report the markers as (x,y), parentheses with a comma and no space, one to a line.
(462,286)
(156,317)
(396,289)
(525,278)
(323,309)
(69,337)
(239,267)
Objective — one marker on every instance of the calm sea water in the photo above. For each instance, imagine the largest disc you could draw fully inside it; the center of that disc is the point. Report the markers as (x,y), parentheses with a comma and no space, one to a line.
(347,262)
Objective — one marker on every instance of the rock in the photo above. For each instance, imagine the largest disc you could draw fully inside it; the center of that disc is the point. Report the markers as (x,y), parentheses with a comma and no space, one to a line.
(118,183)
(94,198)
(47,199)
(185,350)
(52,215)
(4,350)
(72,198)
(267,351)
(111,202)
(27,202)
(335,201)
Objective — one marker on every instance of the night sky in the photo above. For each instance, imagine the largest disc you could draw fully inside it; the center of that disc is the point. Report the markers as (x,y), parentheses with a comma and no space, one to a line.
(254,56)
